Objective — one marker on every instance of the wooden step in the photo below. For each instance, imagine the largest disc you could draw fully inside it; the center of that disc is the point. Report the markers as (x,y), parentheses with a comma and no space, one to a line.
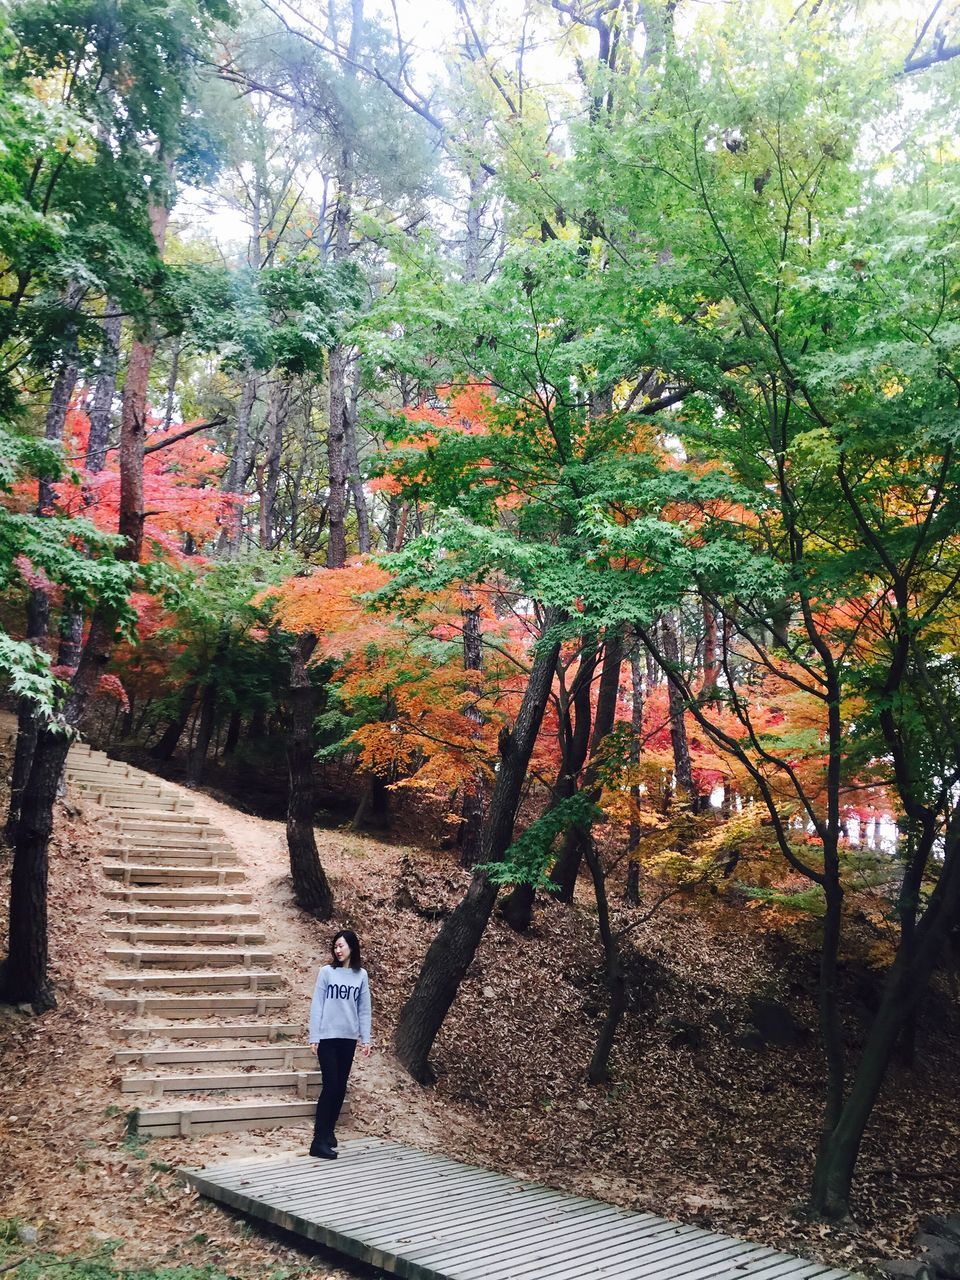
(205,1006)
(268,1032)
(174,958)
(179,897)
(184,837)
(284,1056)
(127,831)
(306,1083)
(140,873)
(185,1121)
(156,916)
(172,857)
(162,820)
(138,936)
(122,800)
(114,782)
(248,979)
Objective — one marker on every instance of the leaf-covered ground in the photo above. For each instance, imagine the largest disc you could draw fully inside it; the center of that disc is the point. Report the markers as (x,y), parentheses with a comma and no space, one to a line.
(701,1123)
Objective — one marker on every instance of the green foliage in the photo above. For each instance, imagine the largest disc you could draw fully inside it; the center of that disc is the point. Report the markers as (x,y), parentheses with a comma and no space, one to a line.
(528,859)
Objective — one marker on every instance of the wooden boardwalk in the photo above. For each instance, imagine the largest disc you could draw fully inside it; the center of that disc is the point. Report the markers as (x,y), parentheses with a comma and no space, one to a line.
(424,1217)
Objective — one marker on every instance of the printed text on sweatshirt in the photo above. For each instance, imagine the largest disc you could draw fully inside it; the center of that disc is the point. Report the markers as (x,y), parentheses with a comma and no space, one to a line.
(340,1009)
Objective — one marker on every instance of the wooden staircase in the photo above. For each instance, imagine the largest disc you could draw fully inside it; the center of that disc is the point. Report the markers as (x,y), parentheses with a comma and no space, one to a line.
(186,957)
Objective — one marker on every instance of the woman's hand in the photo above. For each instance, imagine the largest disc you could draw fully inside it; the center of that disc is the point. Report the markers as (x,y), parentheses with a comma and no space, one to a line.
(365,1050)
(314,1047)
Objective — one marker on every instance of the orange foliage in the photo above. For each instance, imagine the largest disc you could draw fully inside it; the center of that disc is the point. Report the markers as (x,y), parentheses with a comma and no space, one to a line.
(182,497)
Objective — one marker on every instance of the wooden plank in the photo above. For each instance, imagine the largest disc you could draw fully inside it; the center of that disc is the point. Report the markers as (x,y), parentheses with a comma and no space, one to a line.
(182,896)
(138,935)
(174,957)
(195,1006)
(133,873)
(208,915)
(253,979)
(272,1032)
(225,1119)
(432,1219)
(160,817)
(287,1056)
(158,1085)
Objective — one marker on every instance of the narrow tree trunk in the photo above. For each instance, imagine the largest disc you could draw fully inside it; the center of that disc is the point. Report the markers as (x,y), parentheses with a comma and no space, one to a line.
(352,455)
(278,408)
(599,1070)
(632,889)
(682,768)
(201,745)
(516,907)
(567,866)
(337,461)
(233,733)
(455,945)
(172,384)
(711,666)
(311,888)
(233,480)
(102,406)
(471,809)
(169,739)
(28,721)
(906,984)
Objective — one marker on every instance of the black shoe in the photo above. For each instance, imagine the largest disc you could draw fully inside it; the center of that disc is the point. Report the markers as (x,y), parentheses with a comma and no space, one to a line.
(322,1151)
(332,1141)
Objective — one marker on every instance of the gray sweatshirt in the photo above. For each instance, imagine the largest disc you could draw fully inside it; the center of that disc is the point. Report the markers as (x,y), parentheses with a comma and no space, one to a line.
(340,1009)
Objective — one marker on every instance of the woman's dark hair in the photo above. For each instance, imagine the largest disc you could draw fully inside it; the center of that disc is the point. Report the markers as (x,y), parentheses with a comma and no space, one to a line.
(353,942)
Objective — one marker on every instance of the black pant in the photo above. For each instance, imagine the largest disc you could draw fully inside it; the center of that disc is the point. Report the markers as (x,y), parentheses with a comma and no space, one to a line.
(336,1059)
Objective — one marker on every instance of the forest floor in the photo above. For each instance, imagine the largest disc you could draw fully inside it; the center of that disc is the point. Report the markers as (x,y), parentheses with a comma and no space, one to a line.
(703,1122)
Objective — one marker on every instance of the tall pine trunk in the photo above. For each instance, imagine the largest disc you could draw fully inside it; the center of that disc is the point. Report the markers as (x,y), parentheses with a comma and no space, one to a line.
(455,945)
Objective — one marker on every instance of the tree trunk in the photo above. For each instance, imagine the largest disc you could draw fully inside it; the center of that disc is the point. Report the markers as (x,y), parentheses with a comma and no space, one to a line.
(233,480)
(24,976)
(102,406)
(632,889)
(311,888)
(352,455)
(471,809)
(38,606)
(567,866)
(337,461)
(682,768)
(28,721)
(278,408)
(599,1070)
(233,733)
(169,739)
(201,745)
(906,984)
(516,908)
(455,945)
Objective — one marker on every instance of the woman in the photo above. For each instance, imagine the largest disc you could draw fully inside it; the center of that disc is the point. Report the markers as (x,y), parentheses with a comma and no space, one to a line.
(339,1017)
